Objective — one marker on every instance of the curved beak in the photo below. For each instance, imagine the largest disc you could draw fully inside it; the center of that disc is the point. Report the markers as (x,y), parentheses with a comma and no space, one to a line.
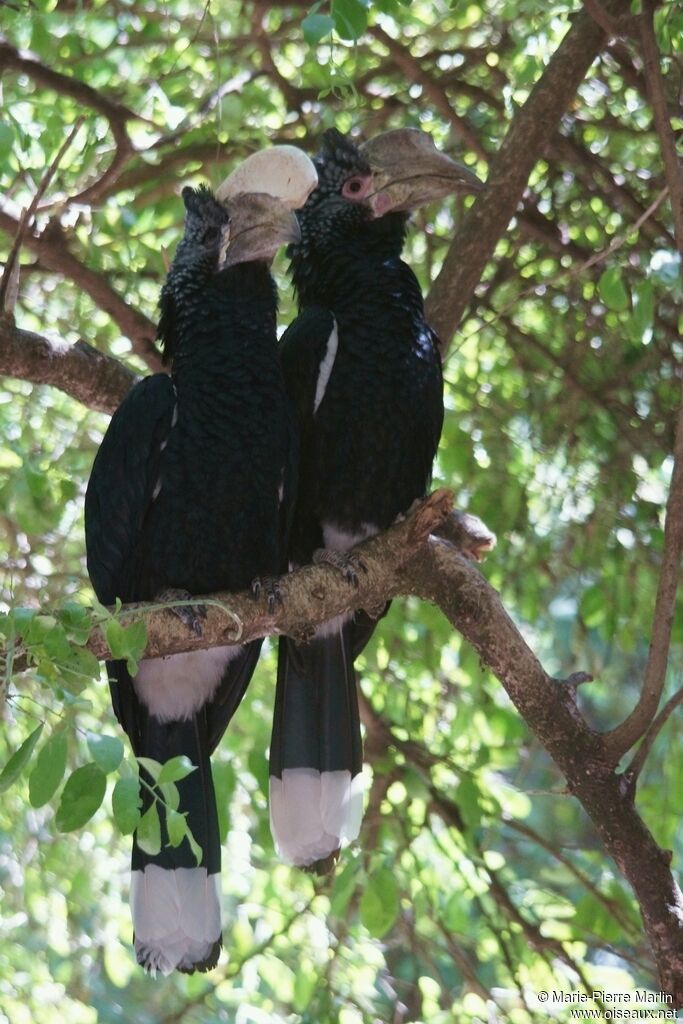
(259,225)
(409,171)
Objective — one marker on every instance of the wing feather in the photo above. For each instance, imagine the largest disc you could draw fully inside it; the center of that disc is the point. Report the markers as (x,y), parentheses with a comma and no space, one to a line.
(121,486)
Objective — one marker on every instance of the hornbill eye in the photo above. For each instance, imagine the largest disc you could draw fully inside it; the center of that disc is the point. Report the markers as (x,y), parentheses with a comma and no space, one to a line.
(211,235)
(356,187)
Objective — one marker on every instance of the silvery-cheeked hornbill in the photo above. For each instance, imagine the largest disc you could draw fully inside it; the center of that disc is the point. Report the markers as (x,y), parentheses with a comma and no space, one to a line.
(363,369)
(187,496)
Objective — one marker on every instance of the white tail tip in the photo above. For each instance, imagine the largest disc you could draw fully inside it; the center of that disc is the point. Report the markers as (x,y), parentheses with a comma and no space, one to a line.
(176,917)
(313,814)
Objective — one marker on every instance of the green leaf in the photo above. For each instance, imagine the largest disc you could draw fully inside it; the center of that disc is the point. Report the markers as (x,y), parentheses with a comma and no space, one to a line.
(305,984)
(148,834)
(612,290)
(469,801)
(126,642)
(350,18)
(83,793)
(152,767)
(106,751)
(19,759)
(194,846)
(258,766)
(48,770)
(316,26)
(126,804)
(176,825)
(224,781)
(379,903)
(643,306)
(593,608)
(75,620)
(6,140)
(175,769)
(343,888)
(170,795)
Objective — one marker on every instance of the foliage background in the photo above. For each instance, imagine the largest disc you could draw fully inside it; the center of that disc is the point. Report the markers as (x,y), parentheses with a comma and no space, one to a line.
(478,881)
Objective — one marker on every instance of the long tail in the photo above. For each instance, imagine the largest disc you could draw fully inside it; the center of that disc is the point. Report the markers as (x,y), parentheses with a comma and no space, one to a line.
(316,754)
(175,900)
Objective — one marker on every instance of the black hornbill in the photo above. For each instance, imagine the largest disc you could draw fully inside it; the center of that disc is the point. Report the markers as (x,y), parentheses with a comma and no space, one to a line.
(188,495)
(363,369)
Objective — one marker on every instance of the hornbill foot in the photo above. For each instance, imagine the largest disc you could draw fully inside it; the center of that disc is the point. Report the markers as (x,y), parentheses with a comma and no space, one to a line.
(269,586)
(348,563)
(326,866)
(189,614)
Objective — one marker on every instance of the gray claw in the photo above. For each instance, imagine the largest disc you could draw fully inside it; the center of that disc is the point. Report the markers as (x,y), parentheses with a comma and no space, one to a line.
(270,587)
(189,614)
(346,562)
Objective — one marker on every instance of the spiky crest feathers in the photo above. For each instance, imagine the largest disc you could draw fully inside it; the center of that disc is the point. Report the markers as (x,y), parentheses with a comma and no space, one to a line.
(196,257)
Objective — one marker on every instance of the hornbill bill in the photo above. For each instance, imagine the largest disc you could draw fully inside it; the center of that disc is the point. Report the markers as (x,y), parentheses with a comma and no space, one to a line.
(364,372)
(188,496)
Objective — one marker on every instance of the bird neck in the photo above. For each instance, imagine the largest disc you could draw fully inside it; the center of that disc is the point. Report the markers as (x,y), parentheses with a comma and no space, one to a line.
(332,266)
(229,320)
(364,268)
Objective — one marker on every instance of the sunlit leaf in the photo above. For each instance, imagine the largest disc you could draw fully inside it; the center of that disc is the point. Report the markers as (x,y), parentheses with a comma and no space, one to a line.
(48,770)
(19,759)
(148,835)
(126,803)
(82,795)
(106,751)
(379,903)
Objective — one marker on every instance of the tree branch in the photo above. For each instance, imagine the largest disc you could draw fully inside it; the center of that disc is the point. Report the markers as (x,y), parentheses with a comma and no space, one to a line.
(12,59)
(657,96)
(84,373)
(633,771)
(51,248)
(532,128)
(310,596)
(405,561)
(411,67)
(633,727)
(9,285)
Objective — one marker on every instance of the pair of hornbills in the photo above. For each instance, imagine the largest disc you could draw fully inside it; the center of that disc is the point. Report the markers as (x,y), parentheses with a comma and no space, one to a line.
(252,456)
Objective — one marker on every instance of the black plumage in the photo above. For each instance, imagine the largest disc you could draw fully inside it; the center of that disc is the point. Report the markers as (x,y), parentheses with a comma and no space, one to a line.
(363,369)
(187,493)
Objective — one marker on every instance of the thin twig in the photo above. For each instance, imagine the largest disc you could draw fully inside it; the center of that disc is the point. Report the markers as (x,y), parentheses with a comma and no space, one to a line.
(566,275)
(657,95)
(621,739)
(636,766)
(9,284)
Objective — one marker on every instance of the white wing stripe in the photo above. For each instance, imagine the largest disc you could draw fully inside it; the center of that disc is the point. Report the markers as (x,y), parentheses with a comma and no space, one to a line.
(326,367)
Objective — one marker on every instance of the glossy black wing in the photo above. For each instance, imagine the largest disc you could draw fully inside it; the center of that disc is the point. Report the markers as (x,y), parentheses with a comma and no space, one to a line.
(307,347)
(121,485)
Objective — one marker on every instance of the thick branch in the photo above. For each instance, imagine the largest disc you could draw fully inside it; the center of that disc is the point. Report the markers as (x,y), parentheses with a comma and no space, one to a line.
(310,596)
(51,248)
(24,63)
(89,376)
(533,126)
(444,577)
(403,562)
